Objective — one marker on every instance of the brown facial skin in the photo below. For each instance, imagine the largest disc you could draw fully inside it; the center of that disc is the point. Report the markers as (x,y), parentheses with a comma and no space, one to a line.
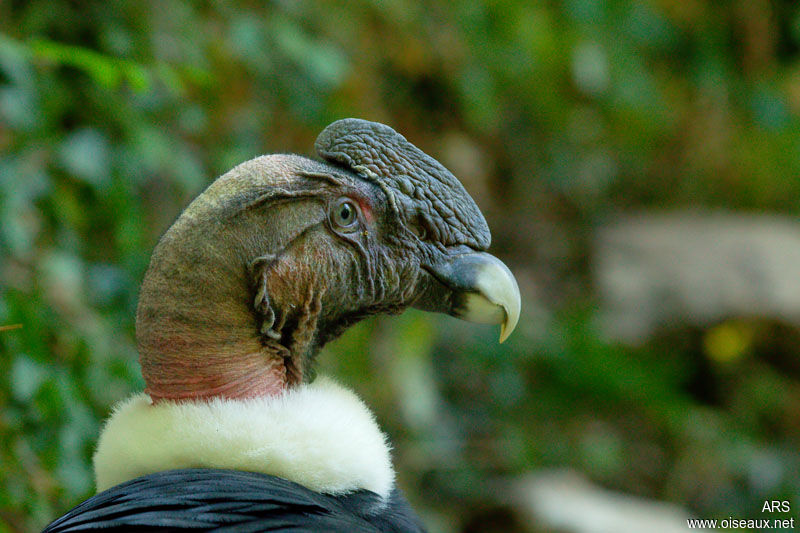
(283,253)
(255,276)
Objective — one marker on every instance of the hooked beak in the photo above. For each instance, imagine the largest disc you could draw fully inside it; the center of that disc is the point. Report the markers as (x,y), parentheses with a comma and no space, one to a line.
(482,290)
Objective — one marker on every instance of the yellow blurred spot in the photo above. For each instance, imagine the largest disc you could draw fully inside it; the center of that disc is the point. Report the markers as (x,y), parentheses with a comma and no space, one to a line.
(728,342)
(10,327)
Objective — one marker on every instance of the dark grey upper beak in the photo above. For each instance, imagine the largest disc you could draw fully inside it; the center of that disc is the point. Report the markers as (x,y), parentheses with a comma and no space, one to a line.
(482,289)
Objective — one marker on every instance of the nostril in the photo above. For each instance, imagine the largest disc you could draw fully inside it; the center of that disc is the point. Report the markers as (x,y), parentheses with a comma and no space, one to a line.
(420,232)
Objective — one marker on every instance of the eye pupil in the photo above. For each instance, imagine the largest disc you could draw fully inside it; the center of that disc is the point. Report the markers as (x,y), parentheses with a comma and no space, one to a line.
(344,214)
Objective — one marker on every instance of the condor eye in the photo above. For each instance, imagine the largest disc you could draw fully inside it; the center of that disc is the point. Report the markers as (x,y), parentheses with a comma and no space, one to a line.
(344,214)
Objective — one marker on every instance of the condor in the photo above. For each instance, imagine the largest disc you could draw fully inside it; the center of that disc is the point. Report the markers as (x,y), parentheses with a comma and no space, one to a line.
(277,257)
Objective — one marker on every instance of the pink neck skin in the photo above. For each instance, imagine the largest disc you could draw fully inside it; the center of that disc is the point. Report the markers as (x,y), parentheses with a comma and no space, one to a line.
(222,377)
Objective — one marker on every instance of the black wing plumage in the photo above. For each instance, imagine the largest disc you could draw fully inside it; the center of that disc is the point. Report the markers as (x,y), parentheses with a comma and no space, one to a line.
(232,501)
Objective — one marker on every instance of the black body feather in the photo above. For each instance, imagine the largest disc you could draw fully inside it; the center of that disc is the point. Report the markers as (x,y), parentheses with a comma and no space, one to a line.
(232,501)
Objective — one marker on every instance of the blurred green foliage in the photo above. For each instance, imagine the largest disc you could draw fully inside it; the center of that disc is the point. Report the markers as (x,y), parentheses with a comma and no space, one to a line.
(555,115)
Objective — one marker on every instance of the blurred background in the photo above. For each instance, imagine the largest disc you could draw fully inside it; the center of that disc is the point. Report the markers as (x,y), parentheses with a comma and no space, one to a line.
(638,163)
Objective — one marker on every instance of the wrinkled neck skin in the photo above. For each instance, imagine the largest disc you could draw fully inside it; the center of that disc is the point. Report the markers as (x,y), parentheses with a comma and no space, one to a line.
(204,326)
(196,335)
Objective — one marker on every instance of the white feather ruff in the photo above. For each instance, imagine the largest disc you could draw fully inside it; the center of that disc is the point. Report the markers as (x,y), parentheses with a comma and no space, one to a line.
(319,435)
